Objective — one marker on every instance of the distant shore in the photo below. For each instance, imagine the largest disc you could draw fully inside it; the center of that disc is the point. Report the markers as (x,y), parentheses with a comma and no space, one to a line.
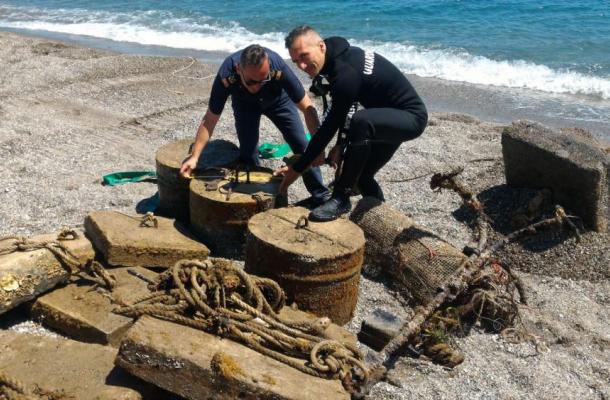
(490,103)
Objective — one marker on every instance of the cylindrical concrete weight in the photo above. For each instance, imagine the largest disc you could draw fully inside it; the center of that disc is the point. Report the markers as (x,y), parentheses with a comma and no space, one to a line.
(317,264)
(219,215)
(173,189)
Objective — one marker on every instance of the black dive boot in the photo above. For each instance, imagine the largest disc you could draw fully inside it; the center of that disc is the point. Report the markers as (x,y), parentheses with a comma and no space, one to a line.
(339,204)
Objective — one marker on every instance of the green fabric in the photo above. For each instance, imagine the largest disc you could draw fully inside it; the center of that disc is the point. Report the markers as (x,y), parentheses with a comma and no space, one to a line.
(275,150)
(120,178)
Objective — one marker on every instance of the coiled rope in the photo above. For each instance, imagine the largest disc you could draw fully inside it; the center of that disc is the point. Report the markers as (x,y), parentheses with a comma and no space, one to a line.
(91,270)
(218,297)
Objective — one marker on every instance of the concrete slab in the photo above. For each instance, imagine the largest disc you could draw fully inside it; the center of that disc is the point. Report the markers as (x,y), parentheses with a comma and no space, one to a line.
(333,331)
(86,315)
(569,163)
(197,365)
(81,371)
(379,328)
(25,275)
(123,242)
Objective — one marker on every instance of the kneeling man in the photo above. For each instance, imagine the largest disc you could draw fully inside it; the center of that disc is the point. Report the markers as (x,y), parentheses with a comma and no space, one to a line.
(260,83)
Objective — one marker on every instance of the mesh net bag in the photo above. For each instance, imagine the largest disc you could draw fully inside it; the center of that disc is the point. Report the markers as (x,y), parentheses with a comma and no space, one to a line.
(381,225)
(419,261)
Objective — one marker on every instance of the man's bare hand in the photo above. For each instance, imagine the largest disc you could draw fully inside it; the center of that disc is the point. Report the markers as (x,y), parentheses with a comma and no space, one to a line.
(334,156)
(289,174)
(187,167)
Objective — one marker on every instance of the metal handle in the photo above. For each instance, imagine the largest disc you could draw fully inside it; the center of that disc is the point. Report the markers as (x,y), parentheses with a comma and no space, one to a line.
(302,222)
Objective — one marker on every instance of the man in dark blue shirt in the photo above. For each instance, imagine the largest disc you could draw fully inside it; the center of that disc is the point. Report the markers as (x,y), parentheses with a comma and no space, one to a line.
(260,83)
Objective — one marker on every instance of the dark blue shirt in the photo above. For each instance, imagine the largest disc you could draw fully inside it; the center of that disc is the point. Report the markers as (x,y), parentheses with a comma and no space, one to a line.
(228,82)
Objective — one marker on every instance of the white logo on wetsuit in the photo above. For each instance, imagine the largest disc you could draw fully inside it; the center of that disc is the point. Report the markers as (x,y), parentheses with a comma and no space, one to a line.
(350,114)
(369,62)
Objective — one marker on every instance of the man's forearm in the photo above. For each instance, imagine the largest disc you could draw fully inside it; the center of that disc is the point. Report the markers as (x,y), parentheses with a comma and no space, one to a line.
(204,133)
(311,119)
(201,140)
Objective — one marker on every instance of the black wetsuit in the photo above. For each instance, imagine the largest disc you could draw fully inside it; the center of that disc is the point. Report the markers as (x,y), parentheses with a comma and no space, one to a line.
(393,113)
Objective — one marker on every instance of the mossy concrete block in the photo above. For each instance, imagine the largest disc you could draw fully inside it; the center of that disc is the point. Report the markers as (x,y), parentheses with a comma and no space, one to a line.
(24,275)
(173,189)
(570,163)
(86,315)
(379,328)
(123,242)
(81,371)
(197,365)
(333,331)
(316,263)
(219,215)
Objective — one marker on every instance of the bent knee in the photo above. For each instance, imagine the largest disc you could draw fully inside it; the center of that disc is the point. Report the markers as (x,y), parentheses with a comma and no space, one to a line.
(360,128)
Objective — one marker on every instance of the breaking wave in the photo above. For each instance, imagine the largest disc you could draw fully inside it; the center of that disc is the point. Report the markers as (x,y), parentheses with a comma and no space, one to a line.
(199,32)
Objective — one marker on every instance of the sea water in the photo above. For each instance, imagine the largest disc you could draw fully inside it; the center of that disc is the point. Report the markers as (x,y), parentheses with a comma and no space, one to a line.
(547,60)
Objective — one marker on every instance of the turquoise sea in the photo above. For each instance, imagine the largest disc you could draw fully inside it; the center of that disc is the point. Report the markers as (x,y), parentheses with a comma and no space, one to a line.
(499,59)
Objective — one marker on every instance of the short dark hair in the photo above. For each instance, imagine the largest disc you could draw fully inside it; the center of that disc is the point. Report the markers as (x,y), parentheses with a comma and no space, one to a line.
(253,55)
(295,33)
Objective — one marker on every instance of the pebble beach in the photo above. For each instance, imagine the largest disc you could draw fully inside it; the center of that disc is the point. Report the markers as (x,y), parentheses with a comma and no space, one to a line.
(70,114)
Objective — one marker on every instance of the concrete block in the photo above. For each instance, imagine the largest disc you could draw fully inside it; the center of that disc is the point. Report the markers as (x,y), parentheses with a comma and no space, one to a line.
(570,163)
(123,242)
(197,365)
(86,315)
(81,371)
(26,274)
(334,331)
(379,328)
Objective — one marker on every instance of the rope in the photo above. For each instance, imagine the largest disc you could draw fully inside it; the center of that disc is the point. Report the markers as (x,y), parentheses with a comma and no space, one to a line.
(92,270)
(147,220)
(217,297)
(13,389)
(193,60)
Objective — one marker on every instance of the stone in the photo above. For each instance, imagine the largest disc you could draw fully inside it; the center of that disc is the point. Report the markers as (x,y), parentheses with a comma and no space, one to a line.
(220,209)
(379,328)
(334,331)
(24,275)
(86,315)
(572,165)
(316,263)
(197,365)
(173,189)
(79,370)
(123,242)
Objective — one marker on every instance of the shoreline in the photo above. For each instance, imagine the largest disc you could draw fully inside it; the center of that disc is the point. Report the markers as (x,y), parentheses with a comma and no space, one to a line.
(495,104)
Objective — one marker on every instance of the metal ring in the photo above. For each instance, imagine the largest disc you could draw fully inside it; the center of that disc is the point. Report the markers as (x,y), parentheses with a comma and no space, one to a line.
(302,222)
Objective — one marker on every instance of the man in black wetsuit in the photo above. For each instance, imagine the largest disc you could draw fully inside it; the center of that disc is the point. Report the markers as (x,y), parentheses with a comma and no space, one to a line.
(260,83)
(393,113)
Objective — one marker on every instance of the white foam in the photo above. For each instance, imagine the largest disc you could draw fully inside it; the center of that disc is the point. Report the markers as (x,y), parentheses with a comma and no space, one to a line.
(215,40)
(202,33)
(465,67)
